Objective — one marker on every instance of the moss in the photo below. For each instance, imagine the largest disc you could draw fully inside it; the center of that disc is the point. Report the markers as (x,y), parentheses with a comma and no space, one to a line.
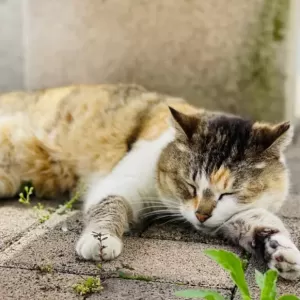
(280,20)
(261,84)
(124,275)
(88,286)
(45,268)
(125,266)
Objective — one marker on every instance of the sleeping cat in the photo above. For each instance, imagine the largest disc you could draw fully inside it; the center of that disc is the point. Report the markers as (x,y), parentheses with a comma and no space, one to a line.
(140,154)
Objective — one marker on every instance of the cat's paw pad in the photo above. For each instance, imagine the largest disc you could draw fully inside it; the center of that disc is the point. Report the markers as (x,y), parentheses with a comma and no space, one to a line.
(106,247)
(281,254)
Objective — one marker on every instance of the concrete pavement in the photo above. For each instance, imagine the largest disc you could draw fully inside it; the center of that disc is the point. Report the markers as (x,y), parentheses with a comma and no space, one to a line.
(156,261)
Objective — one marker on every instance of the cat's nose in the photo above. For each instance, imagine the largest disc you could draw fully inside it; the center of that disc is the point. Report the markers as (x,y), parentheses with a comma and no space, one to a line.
(201,217)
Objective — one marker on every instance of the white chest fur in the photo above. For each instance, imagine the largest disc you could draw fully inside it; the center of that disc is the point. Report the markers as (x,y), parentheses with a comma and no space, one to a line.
(134,176)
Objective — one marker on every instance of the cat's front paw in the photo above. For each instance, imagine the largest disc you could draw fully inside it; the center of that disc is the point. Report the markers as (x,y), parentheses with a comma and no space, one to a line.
(97,246)
(281,254)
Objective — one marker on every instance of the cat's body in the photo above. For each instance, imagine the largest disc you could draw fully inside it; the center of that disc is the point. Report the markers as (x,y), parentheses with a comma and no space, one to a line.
(78,129)
(223,174)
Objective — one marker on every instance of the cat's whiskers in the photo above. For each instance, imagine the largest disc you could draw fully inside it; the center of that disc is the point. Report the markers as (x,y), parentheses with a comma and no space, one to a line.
(168,216)
(174,220)
(159,205)
(162,212)
(148,203)
(152,198)
(155,204)
(155,209)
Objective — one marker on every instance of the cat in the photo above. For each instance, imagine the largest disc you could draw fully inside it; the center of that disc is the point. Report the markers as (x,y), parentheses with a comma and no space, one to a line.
(140,154)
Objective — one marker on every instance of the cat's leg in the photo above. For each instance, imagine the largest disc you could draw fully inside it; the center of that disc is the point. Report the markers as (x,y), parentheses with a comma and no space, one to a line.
(261,232)
(105,224)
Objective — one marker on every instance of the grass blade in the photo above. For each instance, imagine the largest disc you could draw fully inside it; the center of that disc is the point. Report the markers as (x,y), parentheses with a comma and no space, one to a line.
(233,264)
(259,278)
(203,294)
(288,297)
(268,291)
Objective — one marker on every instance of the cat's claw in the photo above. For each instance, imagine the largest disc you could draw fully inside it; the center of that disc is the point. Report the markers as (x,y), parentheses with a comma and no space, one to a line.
(90,247)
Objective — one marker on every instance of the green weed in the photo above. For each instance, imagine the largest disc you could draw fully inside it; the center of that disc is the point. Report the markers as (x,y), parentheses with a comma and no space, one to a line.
(88,286)
(24,197)
(235,267)
(40,210)
(44,218)
(69,204)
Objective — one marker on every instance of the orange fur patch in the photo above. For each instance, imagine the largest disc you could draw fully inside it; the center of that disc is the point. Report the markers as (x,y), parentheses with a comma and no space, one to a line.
(196,202)
(221,178)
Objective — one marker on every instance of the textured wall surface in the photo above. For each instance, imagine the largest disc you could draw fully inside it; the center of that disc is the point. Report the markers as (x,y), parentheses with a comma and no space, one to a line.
(11,48)
(206,51)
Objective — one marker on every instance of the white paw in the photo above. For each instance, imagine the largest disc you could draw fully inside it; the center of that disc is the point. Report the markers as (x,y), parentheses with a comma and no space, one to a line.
(90,248)
(282,255)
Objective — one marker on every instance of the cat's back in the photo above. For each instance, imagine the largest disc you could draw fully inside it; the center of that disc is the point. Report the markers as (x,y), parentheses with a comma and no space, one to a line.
(100,124)
(95,125)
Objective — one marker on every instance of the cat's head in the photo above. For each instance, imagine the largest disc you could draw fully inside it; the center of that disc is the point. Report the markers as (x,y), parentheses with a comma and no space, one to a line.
(219,165)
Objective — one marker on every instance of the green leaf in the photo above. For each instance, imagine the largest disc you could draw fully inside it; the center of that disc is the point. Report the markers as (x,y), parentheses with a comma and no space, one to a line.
(206,294)
(288,297)
(269,286)
(233,264)
(259,278)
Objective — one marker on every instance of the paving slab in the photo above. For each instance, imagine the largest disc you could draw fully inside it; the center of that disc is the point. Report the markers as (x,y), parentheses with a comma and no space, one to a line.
(50,243)
(119,289)
(291,208)
(180,232)
(185,262)
(28,284)
(17,218)
(293,162)
(170,261)
(293,225)
(31,284)
(53,245)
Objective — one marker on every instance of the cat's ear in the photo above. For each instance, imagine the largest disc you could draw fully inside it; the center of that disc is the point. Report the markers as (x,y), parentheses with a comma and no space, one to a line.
(274,137)
(183,123)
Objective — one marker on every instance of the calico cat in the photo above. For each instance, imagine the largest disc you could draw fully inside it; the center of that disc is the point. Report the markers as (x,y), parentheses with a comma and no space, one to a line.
(141,153)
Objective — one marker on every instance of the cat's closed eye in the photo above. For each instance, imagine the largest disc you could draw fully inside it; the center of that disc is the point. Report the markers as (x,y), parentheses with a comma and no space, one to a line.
(192,189)
(224,195)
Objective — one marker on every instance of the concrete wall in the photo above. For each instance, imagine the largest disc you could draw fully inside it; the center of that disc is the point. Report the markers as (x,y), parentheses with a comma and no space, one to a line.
(11,45)
(220,54)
